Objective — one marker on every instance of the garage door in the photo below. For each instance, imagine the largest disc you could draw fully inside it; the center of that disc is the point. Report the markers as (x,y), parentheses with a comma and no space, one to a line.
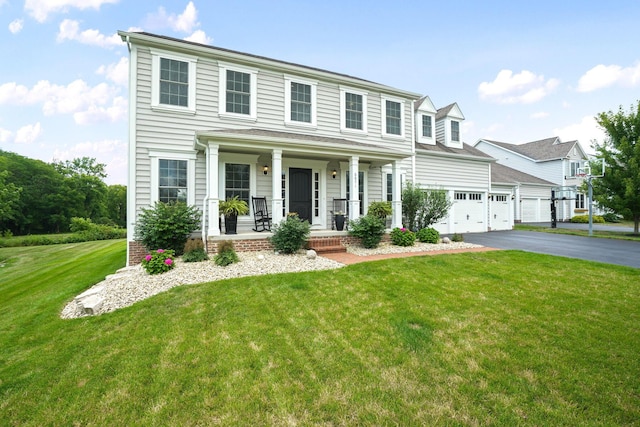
(499,217)
(469,212)
(536,210)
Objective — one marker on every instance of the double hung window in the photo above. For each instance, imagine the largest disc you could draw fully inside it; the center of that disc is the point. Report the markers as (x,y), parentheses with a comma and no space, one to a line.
(393,117)
(172,180)
(238,92)
(455,131)
(237,181)
(427,130)
(173,82)
(353,111)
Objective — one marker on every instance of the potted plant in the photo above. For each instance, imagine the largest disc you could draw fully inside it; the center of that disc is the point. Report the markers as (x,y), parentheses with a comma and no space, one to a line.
(231,208)
(338,218)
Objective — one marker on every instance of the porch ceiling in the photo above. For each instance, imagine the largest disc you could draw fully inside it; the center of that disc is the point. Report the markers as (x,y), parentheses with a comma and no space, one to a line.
(297,145)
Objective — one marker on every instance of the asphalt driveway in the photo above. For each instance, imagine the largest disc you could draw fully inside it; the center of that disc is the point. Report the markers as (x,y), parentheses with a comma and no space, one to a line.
(621,252)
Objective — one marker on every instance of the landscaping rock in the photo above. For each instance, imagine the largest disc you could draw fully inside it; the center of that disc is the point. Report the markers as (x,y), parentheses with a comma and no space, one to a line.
(311,254)
(446,240)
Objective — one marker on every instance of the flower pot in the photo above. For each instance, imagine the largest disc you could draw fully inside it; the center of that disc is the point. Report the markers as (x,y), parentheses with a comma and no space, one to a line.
(339,220)
(230,224)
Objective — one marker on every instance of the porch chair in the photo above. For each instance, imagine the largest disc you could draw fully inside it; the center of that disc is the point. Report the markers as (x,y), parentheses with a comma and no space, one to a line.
(261,216)
(342,206)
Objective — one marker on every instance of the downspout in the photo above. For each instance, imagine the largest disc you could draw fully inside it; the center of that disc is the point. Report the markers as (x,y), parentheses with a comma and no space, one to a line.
(413,142)
(205,200)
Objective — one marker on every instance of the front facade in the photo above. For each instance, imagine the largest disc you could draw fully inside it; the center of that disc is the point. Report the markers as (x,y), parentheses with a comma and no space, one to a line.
(550,160)
(207,124)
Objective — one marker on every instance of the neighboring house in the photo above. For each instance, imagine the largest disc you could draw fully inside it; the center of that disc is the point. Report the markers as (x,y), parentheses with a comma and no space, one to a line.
(551,160)
(443,161)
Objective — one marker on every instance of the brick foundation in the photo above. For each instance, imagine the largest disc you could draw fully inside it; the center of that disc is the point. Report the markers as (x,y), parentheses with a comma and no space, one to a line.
(137,251)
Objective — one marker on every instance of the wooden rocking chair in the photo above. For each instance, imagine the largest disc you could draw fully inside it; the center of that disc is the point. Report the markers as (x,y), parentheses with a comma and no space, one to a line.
(261,216)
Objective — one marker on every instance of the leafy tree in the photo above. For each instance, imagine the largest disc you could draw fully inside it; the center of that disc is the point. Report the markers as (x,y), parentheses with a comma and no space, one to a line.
(84,181)
(619,189)
(435,206)
(116,204)
(81,166)
(9,199)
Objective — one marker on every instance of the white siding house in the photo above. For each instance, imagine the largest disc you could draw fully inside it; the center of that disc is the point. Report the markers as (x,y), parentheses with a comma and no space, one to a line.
(550,160)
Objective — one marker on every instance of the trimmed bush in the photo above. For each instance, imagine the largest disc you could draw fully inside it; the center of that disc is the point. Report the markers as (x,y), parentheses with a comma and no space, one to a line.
(167,225)
(290,235)
(226,254)
(457,237)
(584,219)
(194,251)
(611,217)
(403,237)
(369,229)
(428,235)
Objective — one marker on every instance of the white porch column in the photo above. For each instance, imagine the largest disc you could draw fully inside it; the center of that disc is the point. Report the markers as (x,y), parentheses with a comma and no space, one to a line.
(276,186)
(354,200)
(214,213)
(396,202)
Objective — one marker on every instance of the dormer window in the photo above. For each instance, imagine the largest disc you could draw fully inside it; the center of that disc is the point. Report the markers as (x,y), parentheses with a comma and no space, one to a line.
(427,127)
(455,131)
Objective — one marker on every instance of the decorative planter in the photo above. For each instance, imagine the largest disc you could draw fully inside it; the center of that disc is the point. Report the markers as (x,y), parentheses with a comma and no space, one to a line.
(339,219)
(231,224)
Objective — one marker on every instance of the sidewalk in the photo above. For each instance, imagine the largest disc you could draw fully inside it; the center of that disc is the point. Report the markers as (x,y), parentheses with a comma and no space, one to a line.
(347,258)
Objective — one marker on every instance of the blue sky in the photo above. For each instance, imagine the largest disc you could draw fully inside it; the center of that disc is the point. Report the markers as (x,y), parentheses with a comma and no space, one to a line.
(519,71)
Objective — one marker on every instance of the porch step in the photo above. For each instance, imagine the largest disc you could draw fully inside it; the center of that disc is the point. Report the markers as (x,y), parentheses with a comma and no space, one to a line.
(327,246)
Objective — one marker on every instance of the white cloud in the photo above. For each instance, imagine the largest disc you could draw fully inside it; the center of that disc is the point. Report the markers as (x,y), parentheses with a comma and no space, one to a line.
(112,152)
(539,115)
(16,26)
(29,133)
(585,131)
(117,73)
(522,88)
(97,114)
(70,30)
(41,9)
(5,135)
(199,36)
(602,76)
(77,97)
(184,22)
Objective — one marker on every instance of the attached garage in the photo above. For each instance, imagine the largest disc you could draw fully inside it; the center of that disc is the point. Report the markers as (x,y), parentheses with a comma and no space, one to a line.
(536,210)
(469,212)
(499,212)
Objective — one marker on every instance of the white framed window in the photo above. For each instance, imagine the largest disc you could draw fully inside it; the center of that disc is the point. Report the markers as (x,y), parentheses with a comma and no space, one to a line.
(427,126)
(300,102)
(574,168)
(353,111)
(393,117)
(173,82)
(389,187)
(237,181)
(580,201)
(173,176)
(238,92)
(455,131)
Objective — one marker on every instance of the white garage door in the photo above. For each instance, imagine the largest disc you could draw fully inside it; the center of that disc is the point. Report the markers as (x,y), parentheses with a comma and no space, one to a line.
(469,212)
(499,219)
(536,210)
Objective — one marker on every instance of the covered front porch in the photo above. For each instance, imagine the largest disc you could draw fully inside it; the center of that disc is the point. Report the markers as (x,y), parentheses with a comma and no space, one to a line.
(295,173)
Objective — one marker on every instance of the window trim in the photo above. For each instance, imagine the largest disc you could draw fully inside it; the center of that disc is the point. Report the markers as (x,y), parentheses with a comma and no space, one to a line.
(222,94)
(287,102)
(343,111)
(247,159)
(190,157)
(383,118)
(155,82)
(457,122)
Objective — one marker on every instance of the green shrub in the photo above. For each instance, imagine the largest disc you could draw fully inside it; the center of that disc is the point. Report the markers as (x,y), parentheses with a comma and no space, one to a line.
(403,237)
(80,224)
(194,251)
(369,229)
(584,219)
(611,217)
(226,254)
(457,237)
(380,209)
(428,235)
(290,235)
(158,262)
(167,225)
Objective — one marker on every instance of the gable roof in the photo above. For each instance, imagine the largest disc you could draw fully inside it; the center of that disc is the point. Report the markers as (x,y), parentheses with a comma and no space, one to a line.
(466,151)
(450,110)
(541,150)
(425,104)
(506,175)
(229,54)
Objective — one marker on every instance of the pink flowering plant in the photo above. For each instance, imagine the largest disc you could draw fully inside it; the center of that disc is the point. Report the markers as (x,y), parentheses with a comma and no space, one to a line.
(159,261)
(402,237)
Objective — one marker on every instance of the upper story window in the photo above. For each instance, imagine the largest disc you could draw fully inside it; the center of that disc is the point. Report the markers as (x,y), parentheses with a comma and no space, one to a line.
(393,117)
(300,102)
(353,110)
(427,126)
(173,82)
(574,168)
(455,131)
(238,92)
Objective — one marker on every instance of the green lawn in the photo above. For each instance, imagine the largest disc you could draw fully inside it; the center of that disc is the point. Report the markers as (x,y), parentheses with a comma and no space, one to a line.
(496,338)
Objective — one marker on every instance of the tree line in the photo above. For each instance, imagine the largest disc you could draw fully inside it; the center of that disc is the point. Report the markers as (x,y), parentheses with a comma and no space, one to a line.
(38,197)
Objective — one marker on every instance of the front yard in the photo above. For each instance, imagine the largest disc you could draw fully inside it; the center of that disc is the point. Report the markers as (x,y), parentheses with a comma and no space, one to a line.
(493,338)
